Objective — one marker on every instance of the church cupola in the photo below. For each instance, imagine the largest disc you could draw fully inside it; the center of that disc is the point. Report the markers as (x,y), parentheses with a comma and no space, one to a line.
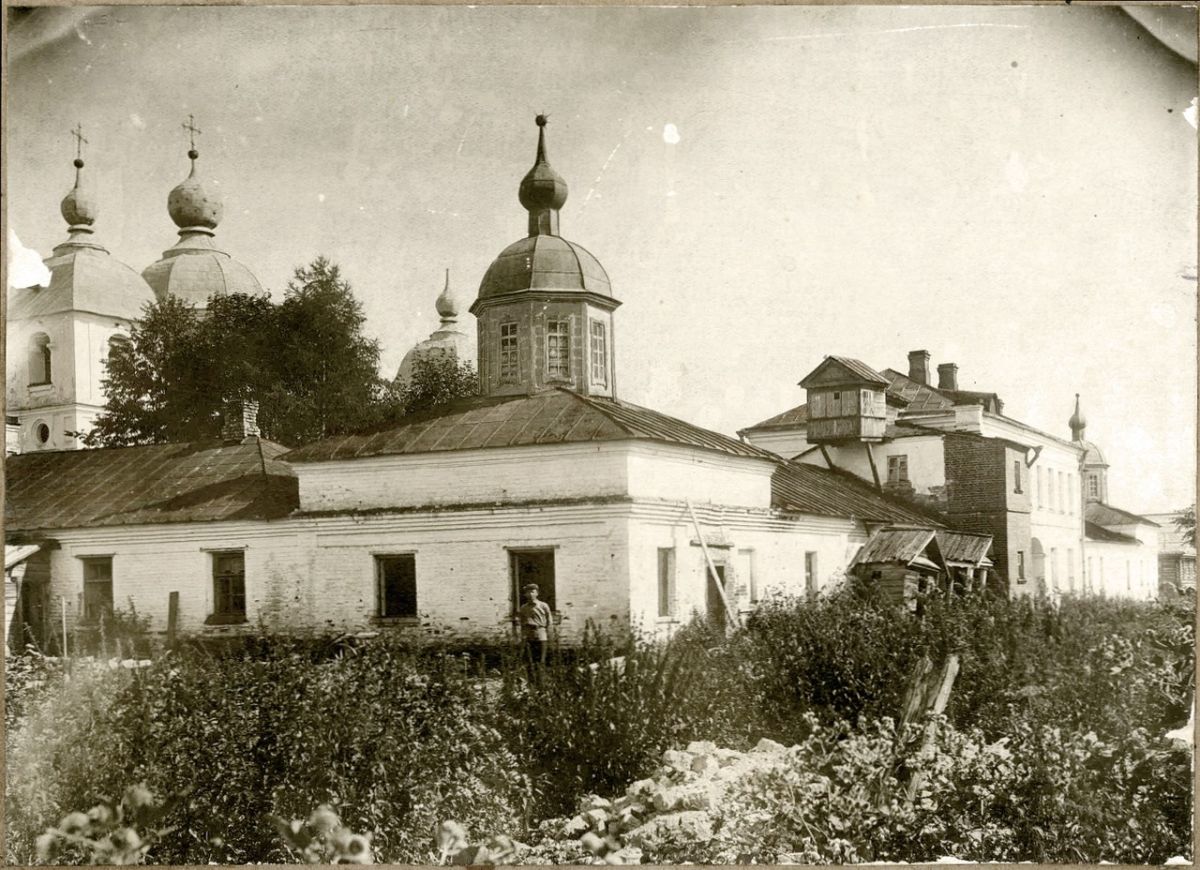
(447,340)
(545,305)
(1095,467)
(60,333)
(195,268)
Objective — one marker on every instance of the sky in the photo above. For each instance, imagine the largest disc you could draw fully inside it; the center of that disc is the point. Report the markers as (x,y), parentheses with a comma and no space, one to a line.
(1010,188)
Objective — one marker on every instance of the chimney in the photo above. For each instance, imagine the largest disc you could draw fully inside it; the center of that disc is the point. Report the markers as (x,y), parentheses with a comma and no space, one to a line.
(918,366)
(947,376)
(240,421)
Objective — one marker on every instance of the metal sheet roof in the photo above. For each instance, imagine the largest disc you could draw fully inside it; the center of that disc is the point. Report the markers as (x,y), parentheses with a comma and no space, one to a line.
(835,369)
(801,488)
(1106,515)
(557,416)
(920,397)
(160,483)
(797,416)
(1097,532)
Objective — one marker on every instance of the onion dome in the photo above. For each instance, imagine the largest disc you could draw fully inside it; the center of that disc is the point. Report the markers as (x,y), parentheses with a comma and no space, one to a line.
(446,340)
(1077,422)
(195,268)
(543,260)
(79,207)
(83,275)
(191,204)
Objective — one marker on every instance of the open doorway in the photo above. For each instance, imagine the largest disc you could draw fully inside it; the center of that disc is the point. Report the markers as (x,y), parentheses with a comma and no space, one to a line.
(532,566)
(714,602)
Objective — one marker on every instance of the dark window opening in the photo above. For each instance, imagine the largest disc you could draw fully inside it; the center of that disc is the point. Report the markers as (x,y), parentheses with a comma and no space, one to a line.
(396,578)
(97,588)
(229,587)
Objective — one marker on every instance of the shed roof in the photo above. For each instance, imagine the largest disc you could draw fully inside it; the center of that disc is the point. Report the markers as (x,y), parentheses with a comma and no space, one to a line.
(159,483)
(558,416)
(920,397)
(1106,515)
(964,548)
(802,488)
(1097,532)
(901,545)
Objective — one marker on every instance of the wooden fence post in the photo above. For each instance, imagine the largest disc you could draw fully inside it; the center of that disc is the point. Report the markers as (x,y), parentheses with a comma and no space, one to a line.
(935,703)
(172,618)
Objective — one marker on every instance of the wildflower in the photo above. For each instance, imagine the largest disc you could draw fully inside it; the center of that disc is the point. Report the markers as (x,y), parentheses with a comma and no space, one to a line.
(138,796)
(75,823)
(355,849)
(323,820)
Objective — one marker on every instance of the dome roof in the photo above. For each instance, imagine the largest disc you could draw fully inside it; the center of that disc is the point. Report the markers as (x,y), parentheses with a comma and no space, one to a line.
(192,204)
(84,277)
(544,262)
(195,269)
(1092,454)
(79,206)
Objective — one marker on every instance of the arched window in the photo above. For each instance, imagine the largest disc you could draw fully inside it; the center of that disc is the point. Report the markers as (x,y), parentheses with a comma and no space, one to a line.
(40,369)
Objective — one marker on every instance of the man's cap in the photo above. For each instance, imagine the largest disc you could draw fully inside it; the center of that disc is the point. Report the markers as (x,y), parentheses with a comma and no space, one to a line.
(530,586)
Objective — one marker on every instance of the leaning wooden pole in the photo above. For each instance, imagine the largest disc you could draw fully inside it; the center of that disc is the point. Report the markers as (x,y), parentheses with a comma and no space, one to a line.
(712,568)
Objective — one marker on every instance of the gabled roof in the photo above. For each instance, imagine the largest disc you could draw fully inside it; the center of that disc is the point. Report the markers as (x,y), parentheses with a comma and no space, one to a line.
(558,416)
(835,370)
(1106,515)
(798,487)
(1097,532)
(159,483)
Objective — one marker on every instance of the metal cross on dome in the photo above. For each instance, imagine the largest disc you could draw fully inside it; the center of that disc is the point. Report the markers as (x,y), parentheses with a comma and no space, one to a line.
(192,129)
(79,140)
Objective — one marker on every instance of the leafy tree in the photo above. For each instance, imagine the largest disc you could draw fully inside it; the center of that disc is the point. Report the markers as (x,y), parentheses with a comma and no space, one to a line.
(436,378)
(304,360)
(1186,523)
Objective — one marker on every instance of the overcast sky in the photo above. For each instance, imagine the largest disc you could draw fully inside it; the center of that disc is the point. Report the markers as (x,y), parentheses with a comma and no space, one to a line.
(1011,188)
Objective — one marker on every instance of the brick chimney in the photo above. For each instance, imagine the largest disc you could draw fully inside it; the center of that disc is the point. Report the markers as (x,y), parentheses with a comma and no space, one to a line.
(947,376)
(918,366)
(240,421)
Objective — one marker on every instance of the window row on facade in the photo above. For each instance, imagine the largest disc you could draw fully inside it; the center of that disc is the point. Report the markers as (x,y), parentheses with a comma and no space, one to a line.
(558,351)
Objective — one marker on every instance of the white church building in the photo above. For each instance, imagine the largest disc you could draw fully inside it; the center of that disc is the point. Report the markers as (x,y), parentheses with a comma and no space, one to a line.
(621,514)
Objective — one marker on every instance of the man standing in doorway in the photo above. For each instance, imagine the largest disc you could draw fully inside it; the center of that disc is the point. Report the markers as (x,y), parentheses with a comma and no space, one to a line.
(535,618)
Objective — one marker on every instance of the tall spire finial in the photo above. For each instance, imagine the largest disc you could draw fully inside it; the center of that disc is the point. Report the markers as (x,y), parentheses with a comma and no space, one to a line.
(1078,422)
(192,129)
(542,190)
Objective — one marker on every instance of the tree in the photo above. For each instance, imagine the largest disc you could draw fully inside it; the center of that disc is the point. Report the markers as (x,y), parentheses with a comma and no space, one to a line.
(305,361)
(1186,523)
(437,378)
(327,378)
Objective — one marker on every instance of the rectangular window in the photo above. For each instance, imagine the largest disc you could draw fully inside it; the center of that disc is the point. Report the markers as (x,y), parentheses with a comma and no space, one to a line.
(1090,577)
(229,585)
(1062,493)
(666,581)
(97,588)
(810,574)
(599,353)
(1016,475)
(898,468)
(1041,487)
(396,586)
(1071,497)
(1128,576)
(558,349)
(1020,566)
(1054,567)
(1071,569)
(509,360)
(1093,486)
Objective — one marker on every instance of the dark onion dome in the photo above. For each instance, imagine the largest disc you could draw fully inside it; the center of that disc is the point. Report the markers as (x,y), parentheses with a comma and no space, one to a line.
(544,259)
(542,187)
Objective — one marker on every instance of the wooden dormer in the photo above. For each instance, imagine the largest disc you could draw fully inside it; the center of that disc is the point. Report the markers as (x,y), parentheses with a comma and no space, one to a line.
(846,402)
